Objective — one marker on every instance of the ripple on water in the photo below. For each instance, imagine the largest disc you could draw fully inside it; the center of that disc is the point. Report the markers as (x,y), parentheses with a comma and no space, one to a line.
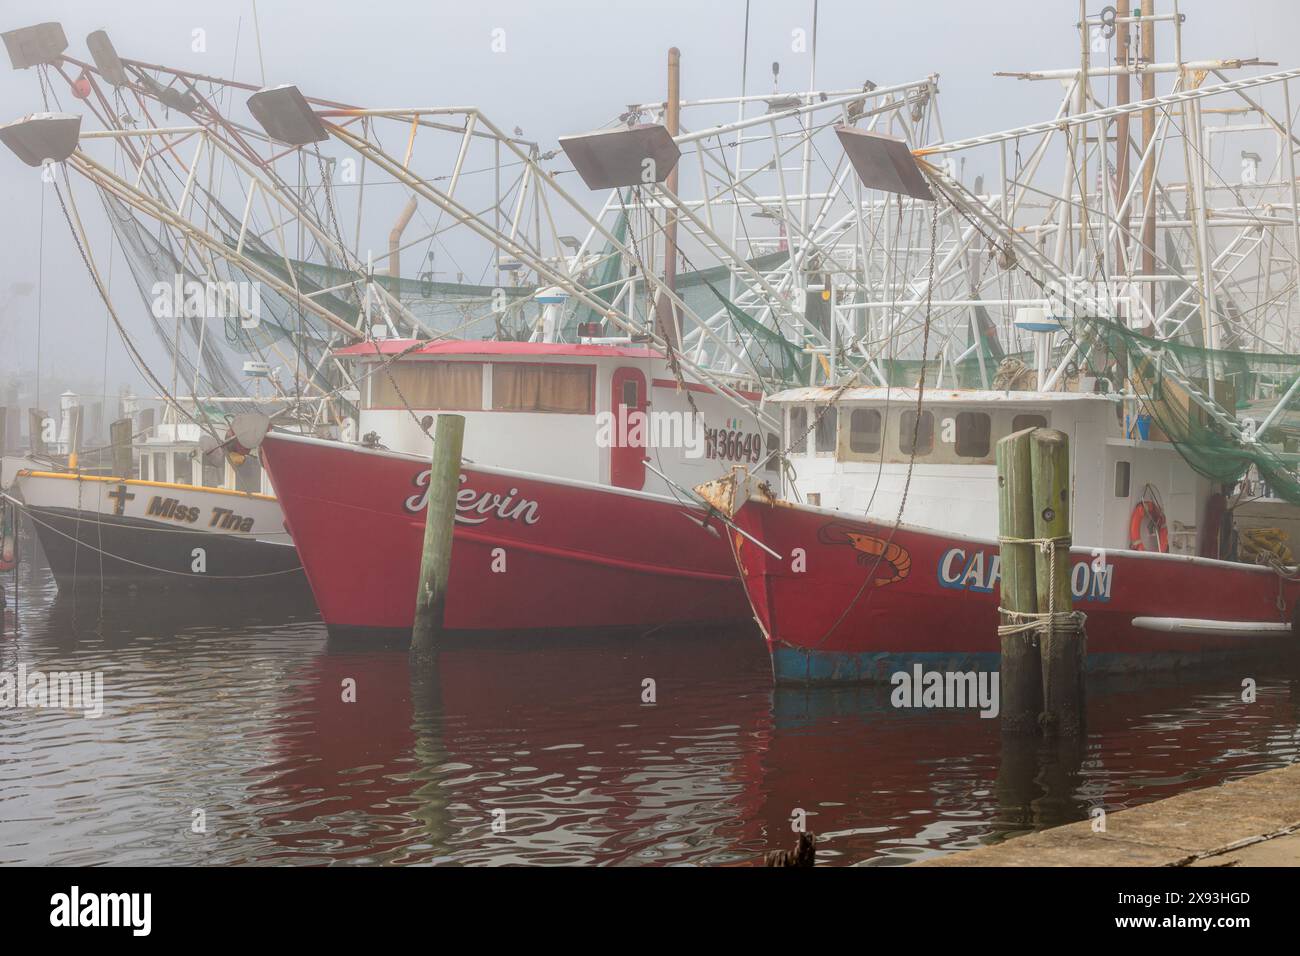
(542,755)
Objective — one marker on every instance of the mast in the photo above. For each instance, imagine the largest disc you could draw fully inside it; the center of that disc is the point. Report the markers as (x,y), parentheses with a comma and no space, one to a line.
(1148,59)
(666,314)
(1123,12)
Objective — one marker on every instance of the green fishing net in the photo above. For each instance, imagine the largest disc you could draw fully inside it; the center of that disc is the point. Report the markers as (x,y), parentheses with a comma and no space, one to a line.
(1249,415)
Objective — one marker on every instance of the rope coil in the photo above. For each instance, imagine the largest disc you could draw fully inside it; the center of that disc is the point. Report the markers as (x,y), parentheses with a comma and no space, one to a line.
(1025,622)
(1052,621)
(1287,572)
(1044,544)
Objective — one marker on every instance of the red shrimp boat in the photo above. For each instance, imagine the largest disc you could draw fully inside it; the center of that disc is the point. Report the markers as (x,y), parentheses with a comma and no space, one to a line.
(845,596)
(566,517)
(529,552)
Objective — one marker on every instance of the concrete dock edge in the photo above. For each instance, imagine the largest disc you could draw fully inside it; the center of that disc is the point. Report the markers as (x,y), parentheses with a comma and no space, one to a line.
(1254,821)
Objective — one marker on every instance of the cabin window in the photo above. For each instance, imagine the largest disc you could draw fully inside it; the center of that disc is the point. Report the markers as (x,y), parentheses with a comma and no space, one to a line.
(1021,422)
(923,429)
(423,384)
(630,398)
(183,466)
(974,430)
(864,431)
(798,442)
(1121,479)
(214,473)
(526,387)
(824,439)
(159,466)
(773,461)
(143,468)
(248,475)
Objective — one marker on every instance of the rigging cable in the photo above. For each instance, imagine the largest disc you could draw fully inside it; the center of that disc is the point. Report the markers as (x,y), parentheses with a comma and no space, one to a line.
(916,428)
(136,358)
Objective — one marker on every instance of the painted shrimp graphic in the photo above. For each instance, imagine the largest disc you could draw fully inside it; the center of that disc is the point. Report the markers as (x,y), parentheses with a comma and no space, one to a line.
(889,561)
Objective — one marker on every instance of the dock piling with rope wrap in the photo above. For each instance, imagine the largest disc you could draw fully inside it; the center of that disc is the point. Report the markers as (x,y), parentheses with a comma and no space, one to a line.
(1063,642)
(439,522)
(1041,636)
(1021,671)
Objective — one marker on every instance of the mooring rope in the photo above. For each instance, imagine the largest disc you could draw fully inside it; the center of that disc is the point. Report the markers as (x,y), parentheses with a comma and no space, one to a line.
(1026,622)
(148,567)
(1038,622)
(227,533)
(916,428)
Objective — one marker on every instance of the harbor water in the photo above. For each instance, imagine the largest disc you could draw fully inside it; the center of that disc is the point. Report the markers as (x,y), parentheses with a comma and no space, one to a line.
(236,733)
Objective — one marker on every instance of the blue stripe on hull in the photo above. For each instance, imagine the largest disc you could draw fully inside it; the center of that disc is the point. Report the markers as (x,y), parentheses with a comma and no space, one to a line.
(792,665)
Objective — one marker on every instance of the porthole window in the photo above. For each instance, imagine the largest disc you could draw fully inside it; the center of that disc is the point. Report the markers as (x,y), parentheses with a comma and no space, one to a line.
(1021,422)
(864,431)
(923,430)
(796,441)
(974,433)
(1121,479)
(824,437)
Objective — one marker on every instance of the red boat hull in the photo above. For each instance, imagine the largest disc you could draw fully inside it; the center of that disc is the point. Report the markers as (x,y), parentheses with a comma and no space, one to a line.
(528,552)
(932,599)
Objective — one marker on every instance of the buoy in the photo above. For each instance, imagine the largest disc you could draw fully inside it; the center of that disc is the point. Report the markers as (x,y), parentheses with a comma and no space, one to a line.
(81,88)
(1151,513)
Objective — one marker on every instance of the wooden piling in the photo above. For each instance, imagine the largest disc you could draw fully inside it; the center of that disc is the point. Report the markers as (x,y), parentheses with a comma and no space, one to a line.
(439,519)
(36,430)
(119,436)
(1062,648)
(4,424)
(1020,671)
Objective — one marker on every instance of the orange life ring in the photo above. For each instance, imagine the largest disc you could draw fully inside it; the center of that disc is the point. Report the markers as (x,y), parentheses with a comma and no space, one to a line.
(1152,512)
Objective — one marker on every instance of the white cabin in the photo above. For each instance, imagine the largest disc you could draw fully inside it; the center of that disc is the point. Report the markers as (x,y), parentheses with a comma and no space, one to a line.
(560,410)
(171,452)
(857,459)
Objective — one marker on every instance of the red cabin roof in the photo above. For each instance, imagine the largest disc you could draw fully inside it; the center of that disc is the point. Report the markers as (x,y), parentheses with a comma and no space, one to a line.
(385,347)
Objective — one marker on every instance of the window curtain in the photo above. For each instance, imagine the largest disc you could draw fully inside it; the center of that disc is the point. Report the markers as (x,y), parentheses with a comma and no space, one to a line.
(430,385)
(518,387)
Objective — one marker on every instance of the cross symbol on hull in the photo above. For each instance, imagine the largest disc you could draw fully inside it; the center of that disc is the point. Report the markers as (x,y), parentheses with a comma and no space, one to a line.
(120,498)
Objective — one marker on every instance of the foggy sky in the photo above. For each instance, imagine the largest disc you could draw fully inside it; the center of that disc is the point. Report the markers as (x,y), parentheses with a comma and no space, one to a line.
(568,66)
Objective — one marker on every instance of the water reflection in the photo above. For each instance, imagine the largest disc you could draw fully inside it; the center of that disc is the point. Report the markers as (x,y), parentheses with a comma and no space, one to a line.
(300,751)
